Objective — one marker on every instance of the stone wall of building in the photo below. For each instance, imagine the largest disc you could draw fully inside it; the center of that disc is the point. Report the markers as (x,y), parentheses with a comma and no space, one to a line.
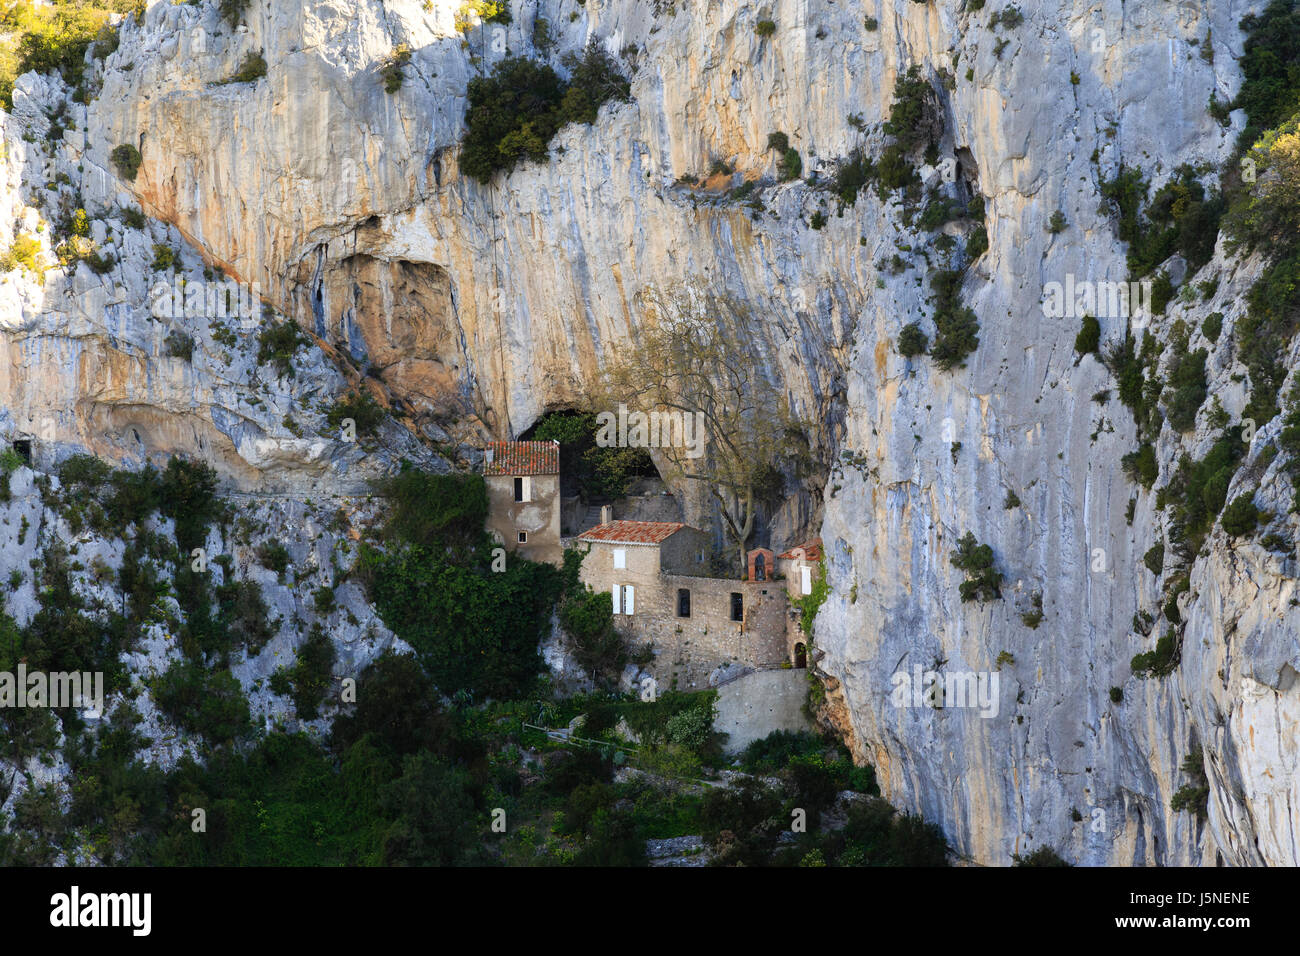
(689,649)
(539,517)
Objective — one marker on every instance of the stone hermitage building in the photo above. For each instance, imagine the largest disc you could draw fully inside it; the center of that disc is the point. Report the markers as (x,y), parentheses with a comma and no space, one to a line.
(702,628)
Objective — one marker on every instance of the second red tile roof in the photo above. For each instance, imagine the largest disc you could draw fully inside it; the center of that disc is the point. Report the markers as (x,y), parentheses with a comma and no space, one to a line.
(633,532)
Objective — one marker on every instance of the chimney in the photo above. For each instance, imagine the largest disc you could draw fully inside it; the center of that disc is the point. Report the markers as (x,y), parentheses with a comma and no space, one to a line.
(606,514)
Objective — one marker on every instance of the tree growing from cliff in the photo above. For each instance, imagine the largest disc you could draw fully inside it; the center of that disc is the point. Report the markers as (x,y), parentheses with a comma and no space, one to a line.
(695,357)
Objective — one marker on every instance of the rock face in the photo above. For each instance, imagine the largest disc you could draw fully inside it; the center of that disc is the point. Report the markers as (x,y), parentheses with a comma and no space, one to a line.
(482,306)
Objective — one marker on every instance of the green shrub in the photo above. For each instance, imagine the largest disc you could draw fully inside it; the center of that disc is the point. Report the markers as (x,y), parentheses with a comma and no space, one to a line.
(251,69)
(1240,517)
(1089,338)
(1141,465)
(187,494)
(1212,326)
(1043,856)
(1056,224)
(232,11)
(208,703)
(393,71)
(1270,85)
(956,327)
(915,120)
(894,172)
(1180,218)
(274,556)
(789,166)
(912,341)
(1160,662)
(513,114)
(164,257)
(1009,17)
(127,159)
(818,220)
(1154,559)
(360,406)
(1189,386)
(277,343)
(308,681)
(1116,695)
(983,581)
(588,618)
(851,176)
(179,345)
(778,141)
(765,28)
(1198,489)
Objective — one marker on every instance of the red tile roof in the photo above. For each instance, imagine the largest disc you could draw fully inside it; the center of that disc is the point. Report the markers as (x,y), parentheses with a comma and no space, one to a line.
(633,532)
(522,458)
(812,551)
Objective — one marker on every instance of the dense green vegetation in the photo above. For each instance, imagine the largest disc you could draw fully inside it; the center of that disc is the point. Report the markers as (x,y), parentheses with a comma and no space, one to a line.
(1182,217)
(475,630)
(1197,491)
(983,581)
(278,342)
(598,472)
(360,406)
(956,325)
(401,779)
(55,37)
(514,113)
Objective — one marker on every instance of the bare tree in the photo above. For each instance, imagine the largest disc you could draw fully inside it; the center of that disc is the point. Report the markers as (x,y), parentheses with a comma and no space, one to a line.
(695,367)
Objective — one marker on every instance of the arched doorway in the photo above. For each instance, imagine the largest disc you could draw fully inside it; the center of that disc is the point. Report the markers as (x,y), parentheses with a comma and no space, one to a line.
(760,567)
(800,655)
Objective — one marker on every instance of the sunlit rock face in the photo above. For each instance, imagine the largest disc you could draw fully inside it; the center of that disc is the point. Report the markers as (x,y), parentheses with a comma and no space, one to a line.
(479,307)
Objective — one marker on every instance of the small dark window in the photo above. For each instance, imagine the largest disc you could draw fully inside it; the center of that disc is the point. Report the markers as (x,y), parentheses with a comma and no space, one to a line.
(519,489)
(23,448)
(737,606)
(523,537)
(683,602)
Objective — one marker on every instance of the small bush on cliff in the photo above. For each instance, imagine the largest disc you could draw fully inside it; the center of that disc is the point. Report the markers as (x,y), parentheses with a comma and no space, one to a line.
(126,159)
(308,680)
(513,114)
(912,341)
(278,343)
(251,68)
(956,326)
(361,408)
(1240,517)
(1159,662)
(393,71)
(232,11)
(1088,341)
(1043,856)
(983,581)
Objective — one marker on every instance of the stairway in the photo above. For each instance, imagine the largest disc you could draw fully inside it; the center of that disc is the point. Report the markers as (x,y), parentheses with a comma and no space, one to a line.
(590,518)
